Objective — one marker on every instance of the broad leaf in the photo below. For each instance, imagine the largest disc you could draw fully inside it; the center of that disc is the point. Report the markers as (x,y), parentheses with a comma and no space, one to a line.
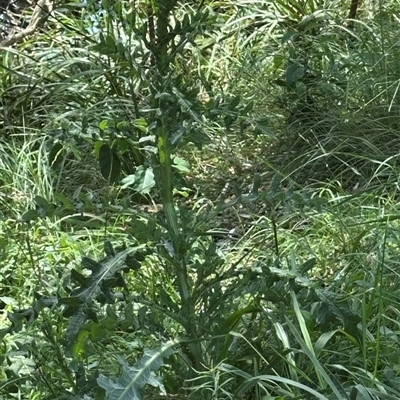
(30,215)
(142,181)
(181,164)
(56,154)
(110,164)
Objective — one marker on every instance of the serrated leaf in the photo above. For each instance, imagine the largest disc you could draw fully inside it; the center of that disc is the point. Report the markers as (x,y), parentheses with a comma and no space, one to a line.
(108,248)
(94,287)
(133,378)
(90,264)
(75,323)
(107,269)
(132,263)
(186,105)
(77,277)
(341,310)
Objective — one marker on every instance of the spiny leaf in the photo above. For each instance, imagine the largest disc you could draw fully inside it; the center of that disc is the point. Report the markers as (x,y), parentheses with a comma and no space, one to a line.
(106,270)
(90,264)
(78,278)
(98,286)
(108,249)
(132,262)
(76,322)
(133,378)
(341,311)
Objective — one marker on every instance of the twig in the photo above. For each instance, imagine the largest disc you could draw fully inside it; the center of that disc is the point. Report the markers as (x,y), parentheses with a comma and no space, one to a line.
(42,6)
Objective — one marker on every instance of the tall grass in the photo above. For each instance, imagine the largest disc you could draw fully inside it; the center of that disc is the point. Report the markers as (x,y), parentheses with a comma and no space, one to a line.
(312,301)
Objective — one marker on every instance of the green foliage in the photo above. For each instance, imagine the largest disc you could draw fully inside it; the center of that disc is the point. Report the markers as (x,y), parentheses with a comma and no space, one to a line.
(135,377)
(110,165)
(219,141)
(98,286)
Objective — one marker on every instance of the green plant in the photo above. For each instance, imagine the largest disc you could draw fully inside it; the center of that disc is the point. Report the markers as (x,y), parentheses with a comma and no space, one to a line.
(255,286)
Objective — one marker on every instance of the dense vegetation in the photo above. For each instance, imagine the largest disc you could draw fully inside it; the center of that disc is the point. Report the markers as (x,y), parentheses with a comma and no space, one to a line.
(199,199)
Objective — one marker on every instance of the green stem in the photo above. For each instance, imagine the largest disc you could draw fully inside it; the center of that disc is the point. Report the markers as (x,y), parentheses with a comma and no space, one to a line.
(164,38)
(163,10)
(164,158)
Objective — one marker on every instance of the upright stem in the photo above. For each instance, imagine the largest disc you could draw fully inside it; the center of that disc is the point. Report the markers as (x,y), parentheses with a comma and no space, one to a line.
(162,46)
(164,158)
(162,12)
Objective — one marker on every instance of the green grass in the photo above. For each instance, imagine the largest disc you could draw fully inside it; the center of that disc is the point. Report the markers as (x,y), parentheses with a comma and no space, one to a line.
(353,239)
(289,231)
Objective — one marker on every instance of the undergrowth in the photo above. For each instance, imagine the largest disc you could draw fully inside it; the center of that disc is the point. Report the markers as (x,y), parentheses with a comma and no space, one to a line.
(208,210)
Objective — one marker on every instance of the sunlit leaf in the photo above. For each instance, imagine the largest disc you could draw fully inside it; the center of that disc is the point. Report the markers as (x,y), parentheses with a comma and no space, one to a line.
(142,181)
(128,386)
(181,164)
